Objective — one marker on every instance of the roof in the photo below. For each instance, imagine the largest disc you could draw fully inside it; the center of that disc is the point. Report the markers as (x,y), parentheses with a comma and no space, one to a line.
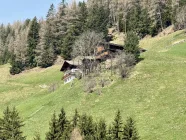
(112,45)
(75,62)
(66,65)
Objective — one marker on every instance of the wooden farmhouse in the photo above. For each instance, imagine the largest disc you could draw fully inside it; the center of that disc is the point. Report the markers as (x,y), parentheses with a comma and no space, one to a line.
(87,63)
(70,69)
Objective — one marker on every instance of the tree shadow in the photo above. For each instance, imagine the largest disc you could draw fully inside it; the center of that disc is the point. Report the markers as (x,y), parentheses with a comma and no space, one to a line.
(139,60)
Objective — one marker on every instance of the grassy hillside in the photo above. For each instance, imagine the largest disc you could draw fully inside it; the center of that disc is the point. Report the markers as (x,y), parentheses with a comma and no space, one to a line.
(154,95)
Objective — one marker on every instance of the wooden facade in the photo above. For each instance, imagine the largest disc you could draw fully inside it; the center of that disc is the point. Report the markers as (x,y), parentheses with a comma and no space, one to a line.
(106,49)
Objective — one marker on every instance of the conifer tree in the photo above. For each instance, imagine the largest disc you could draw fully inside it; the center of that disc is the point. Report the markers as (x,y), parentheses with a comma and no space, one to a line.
(98,18)
(155,12)
(67,43)
(117,126)
(90,129)
(138,19)
(75,119)
(60,28)
(51,29)
(51,12)
(87,127)
(82,17)
(11,125)
(16,66)
(45,56)
(130,132)
(132,44)
(62,123)
(1,128)
(67,133)
(26,24)
(83,123)
(110,133)
(101,130)
(168,17)
(53,130)
(2,50)
(33,39)
(73,30)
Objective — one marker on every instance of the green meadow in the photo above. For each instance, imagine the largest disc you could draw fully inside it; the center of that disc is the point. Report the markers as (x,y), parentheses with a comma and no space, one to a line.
(154,94)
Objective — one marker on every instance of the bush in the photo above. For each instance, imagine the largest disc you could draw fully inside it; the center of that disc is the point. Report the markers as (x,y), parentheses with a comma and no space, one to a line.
(89,84)
(124,72)
(124,63)
(53,87)
(126,58)
(17,67)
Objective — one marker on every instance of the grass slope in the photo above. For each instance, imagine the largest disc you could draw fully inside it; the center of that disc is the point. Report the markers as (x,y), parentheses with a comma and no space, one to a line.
(155,93)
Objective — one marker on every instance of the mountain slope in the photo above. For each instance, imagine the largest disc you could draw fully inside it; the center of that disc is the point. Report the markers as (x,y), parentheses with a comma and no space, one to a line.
(154,94)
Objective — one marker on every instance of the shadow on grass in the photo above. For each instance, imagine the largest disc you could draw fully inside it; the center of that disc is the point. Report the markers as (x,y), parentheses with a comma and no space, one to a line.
(139,60)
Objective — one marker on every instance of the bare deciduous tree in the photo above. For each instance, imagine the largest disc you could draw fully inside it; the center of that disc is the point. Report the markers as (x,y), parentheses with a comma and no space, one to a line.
(181,18)
(124,62)
(87,44)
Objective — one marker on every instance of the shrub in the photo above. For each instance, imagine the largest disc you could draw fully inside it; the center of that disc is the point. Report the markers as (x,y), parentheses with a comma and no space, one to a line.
(17,67)
(53,87)
(124,71)
(89,84)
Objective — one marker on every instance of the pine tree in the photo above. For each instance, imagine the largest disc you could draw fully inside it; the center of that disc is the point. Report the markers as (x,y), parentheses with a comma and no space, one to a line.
(4,53)
(11,125)
(167,16)
(144,23)
(16,66)
(87,127)
(51,30)
(75,119)
(130,132)
(45,56)
(53,130)
(33,39)
(26,24)
(82,17)
(102,130)
(133,17)
(73,30)
(117,126)
(182,2)
(51,12)
(1,128)
(110,133)
(2,50)
(98,18)
(67,133)
(83,123)
(68,41)
(60,28)
(62,123)
(132,44)
(90,129)
(138,19)
(156,14)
